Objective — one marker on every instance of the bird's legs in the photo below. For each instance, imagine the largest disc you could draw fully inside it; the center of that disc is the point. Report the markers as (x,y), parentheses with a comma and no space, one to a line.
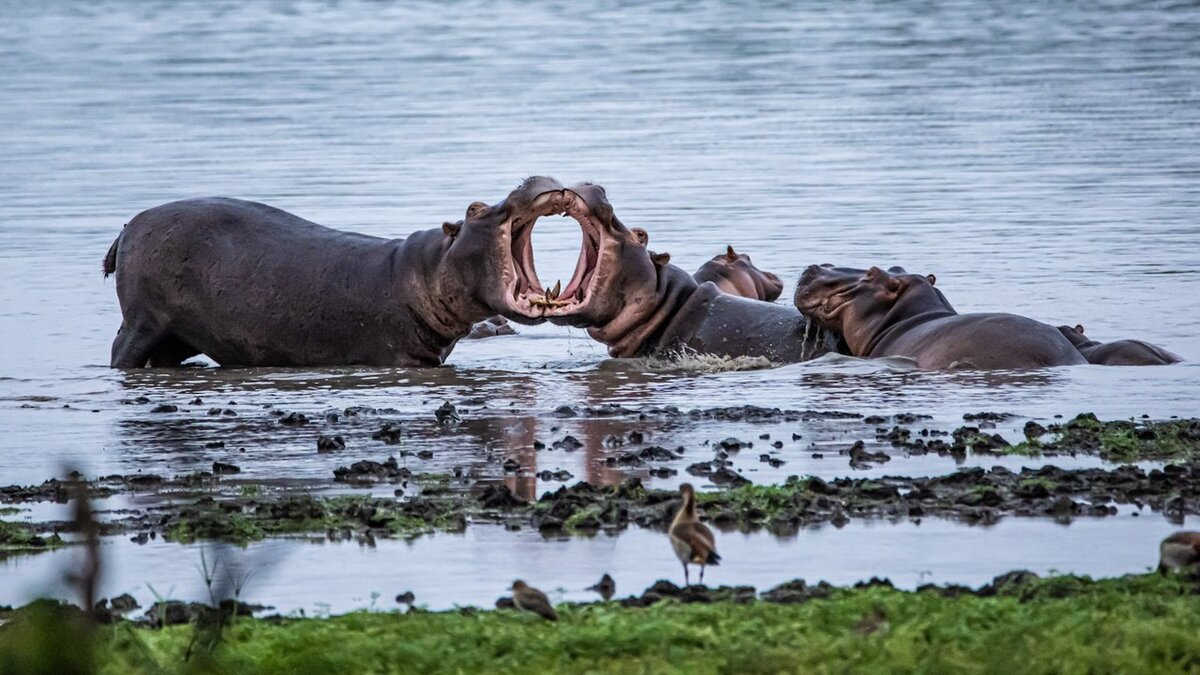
(686,582)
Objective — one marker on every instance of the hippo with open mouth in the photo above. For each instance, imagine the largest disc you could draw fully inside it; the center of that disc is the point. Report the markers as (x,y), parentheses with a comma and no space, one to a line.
(638,304)
(251,285)
(735,274)
(1118,352)
(893,313)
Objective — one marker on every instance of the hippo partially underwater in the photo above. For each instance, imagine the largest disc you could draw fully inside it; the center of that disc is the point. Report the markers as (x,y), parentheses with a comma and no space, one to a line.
(638,304)
(735,274)
(250,285)
(893,313)
(1118,352)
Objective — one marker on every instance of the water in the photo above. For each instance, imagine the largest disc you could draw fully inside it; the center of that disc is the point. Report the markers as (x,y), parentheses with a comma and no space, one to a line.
(1041,160)
(478,566)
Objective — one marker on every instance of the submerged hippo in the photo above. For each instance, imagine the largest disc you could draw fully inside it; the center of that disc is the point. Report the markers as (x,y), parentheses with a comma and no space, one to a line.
(897,314)
(638,304)
(251,285)
(734,274)
(1118,352)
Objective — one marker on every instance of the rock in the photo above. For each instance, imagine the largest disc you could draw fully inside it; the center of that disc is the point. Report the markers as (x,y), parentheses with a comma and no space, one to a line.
(293,419)
(606,587)
(164,408)
(499,497)
(567,443)
(124,603)
(389,433)
(446,414)
(221,469)
(330,443)
(564,411)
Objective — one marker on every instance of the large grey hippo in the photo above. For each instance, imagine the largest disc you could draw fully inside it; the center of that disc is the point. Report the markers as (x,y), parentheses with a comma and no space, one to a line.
(1118,352)
(896,314)
(637,303)
(735,274)
(251,285)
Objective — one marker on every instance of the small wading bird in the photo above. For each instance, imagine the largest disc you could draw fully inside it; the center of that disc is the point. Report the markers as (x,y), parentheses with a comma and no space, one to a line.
(1179,551)
(530,599)
(692,540)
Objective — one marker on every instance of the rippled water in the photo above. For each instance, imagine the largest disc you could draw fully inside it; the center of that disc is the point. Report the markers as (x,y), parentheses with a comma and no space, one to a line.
(1040,159)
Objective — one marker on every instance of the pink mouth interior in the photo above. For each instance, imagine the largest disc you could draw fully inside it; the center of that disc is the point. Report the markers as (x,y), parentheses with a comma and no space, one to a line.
(527,290)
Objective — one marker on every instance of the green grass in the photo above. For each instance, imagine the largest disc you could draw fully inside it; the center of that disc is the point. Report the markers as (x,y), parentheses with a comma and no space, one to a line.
(20,538)
(1058,625)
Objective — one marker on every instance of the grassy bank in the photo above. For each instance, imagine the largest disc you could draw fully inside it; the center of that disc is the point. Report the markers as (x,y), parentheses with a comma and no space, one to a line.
(1060,625)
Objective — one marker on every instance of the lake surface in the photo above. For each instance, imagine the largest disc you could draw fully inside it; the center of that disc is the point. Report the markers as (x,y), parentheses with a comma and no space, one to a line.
(1043,160)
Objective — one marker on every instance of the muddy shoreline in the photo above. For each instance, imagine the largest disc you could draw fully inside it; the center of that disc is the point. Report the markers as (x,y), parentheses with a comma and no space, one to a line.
(217,505)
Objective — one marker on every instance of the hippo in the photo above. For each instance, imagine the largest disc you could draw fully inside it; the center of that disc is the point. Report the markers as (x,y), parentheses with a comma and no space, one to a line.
(1118,352)
(734,274)
(894,313)
(250,285)
(638,304)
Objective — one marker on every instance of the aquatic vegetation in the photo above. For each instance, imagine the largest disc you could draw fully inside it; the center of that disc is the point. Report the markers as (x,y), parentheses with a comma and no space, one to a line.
(24,538)
(1124,440)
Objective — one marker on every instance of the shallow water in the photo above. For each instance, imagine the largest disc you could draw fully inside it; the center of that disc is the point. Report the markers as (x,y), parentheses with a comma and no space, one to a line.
(1040,160)
(478,566)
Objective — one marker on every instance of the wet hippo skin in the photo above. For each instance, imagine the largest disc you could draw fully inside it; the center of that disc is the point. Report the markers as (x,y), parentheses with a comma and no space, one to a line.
(250,285)
(735,274)
(883,314)
(638,304)
(1118,352)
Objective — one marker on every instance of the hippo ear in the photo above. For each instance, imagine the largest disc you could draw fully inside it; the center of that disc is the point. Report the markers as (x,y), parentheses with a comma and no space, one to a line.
(932,279)
(642,236)
(730,253)
(452,229)
(1079,328)
(660,259)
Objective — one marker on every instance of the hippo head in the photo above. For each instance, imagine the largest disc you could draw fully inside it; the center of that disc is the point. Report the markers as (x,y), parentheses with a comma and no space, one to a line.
(734,273)
(612,260)
(487,252)
(860,304)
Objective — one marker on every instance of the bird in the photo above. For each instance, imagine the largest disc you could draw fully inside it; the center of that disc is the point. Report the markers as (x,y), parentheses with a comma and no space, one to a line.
(692,540)
(1178,551)
(530,599)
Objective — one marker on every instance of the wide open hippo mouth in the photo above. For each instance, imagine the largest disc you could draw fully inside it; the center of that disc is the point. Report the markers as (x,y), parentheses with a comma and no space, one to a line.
(529,297)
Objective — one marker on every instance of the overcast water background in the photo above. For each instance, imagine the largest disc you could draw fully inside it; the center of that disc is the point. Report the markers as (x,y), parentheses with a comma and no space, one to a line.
(1042,160)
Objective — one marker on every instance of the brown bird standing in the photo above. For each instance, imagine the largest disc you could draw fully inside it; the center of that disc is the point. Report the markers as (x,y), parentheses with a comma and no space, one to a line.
(530,599)
(1178,551)
(692,540)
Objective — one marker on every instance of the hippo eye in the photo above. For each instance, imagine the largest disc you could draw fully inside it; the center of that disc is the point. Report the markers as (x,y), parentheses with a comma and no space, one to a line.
(476,208)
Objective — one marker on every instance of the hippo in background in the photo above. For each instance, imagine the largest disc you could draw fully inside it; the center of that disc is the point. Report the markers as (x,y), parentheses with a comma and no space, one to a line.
(250,285)
(881,314)
(735,274)
(638,304)
(1118,352)
(491,327)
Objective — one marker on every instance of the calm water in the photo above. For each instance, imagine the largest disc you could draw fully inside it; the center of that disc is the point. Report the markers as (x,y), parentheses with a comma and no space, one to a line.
(1042,160)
